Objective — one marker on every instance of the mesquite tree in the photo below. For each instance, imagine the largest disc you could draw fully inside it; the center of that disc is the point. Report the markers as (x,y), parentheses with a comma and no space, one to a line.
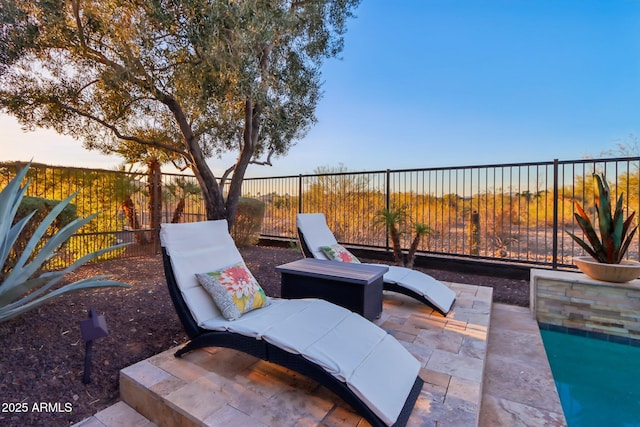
(194,78)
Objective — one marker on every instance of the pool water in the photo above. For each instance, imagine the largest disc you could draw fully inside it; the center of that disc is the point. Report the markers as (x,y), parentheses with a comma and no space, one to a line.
(598,381)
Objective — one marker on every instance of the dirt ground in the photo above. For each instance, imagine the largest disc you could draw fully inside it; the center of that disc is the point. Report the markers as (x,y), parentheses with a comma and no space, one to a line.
(42,353)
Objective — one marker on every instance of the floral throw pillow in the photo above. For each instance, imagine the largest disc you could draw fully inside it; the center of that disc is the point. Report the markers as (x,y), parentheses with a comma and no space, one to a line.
(337,252)
(234,290)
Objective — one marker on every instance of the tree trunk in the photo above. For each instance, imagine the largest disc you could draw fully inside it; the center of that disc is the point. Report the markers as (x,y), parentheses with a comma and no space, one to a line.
(213,197)
(129,209)
(412,251)
(211,191)
(177,214)
(154,186)
(395,243)
(250,138)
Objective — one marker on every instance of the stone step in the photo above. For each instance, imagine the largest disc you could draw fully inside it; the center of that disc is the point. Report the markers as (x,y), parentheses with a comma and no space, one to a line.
(224,387)
(117,415)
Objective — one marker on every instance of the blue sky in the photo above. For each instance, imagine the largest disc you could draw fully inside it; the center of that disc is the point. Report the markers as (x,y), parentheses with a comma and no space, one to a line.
(431,83)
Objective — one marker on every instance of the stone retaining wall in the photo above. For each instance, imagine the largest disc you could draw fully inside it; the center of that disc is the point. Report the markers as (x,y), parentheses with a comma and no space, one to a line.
(576,302)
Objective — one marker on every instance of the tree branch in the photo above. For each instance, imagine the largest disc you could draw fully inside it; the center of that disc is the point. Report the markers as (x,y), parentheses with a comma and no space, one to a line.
(225,175)
(298,3)
(76,13)
(181,168)
(265,162)
(119,135)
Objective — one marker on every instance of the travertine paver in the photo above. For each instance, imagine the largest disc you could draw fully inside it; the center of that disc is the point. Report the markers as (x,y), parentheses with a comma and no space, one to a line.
(119,414)
(518,386)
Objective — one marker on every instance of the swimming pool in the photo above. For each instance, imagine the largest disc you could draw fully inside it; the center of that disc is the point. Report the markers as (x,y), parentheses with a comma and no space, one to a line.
(598,381)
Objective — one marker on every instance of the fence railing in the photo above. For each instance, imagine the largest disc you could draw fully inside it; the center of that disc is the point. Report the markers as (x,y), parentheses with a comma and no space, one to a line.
(126,203)
(517,212)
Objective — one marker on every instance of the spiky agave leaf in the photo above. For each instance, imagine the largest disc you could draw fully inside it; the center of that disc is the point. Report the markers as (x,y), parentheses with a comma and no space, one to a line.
(596,250)
(629,238)
(584,246)
(46,281)
(603,206)
(10,198)
(20,281)
(88,283)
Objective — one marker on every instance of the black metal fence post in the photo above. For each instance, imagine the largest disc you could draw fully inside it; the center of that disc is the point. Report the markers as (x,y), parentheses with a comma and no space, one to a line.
(300,193)
(387,206)
(554,260)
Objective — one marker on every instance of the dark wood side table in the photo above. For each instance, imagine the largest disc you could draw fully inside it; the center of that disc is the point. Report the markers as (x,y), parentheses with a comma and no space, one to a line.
(357,287)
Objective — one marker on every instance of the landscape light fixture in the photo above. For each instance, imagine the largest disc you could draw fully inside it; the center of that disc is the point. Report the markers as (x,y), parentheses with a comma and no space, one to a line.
(91,329)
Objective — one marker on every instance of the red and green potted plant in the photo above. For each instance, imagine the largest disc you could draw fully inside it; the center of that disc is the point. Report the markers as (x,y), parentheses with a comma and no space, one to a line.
(615,235)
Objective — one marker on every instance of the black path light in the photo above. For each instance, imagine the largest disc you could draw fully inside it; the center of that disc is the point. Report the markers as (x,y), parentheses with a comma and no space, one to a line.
(91,329)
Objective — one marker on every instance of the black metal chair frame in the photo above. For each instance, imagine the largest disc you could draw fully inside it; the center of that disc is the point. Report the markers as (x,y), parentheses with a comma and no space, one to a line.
(201,338)
(387,286)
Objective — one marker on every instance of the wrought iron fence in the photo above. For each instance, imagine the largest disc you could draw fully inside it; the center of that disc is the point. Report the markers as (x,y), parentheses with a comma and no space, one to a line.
(517,212)
(130,205)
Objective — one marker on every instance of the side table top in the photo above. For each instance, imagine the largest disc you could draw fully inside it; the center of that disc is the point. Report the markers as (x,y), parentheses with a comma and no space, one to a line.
(326,269)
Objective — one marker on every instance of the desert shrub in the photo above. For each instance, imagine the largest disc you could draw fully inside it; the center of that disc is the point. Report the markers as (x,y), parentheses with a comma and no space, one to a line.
(248,223)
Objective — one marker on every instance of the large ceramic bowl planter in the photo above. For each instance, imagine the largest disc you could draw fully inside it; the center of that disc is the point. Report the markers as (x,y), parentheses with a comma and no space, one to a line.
(626,271)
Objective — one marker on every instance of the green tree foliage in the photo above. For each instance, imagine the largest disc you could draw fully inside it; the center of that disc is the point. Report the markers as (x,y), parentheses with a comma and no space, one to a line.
(191,78)
(181,189)
(395,219)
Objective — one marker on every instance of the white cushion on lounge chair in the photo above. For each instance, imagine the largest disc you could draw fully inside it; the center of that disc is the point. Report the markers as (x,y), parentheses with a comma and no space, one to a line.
(398,381)
(258,322)
(395,274)
(431,289)
(316,329)
(202,308)
(301,330)
(197,235)
(342,357)
(316,234)
(357,360)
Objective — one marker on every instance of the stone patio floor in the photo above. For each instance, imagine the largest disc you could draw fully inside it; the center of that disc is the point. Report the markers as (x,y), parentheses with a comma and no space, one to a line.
(483,364)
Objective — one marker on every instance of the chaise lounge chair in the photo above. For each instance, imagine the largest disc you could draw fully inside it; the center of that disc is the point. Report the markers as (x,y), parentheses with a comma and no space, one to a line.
(314,235)
(354,358)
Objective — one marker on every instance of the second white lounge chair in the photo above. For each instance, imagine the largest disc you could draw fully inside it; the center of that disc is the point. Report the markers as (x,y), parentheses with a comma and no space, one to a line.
(315,235)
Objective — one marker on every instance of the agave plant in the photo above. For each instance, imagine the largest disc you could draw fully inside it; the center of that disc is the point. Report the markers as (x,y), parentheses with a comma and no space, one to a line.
(22,288)
(616,233)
